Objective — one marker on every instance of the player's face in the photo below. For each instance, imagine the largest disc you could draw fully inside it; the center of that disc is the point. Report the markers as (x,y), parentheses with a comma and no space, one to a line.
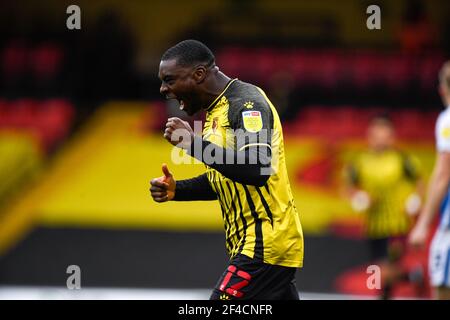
(380,137)
(178,82)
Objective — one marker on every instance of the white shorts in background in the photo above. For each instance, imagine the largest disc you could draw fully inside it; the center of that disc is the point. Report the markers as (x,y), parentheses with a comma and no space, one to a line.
(439,259)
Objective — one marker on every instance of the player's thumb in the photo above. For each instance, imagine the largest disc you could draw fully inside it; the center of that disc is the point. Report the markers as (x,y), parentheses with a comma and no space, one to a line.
(166,171)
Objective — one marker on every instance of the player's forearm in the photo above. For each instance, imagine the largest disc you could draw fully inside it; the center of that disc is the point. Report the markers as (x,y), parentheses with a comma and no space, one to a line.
(435,194)
(250,166)
(197,188)
(421,188)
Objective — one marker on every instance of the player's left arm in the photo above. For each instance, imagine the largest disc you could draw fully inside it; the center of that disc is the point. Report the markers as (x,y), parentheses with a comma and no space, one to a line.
(359,198)
(437,188)
(252,154)
(249,162)
(351,178)
(413,173)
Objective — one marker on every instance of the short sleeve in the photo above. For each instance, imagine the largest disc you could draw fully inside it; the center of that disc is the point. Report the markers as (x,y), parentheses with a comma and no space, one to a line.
(351,174)
(411,167)
(443,132)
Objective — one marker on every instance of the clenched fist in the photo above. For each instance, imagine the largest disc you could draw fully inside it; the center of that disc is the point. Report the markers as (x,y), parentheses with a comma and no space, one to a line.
(179,133)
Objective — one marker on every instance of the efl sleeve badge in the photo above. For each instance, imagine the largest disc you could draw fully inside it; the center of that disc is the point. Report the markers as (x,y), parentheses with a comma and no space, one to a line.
(252,121)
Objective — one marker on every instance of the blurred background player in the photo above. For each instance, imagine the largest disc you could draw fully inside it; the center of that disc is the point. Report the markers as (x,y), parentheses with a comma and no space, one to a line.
(438,193)
(382,183)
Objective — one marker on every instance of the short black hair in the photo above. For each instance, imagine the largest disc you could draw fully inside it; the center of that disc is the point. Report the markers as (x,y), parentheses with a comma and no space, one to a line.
(383,118)
(190,52)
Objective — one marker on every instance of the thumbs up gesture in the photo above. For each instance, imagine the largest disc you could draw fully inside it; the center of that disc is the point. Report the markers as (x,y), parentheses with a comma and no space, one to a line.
(162,189)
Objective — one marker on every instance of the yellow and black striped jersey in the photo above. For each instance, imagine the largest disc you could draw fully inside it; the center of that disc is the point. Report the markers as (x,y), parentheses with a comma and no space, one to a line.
(260,222)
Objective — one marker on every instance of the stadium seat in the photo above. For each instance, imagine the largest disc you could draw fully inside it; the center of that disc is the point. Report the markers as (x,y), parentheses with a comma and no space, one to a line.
(46,61)
(48,120)
(331,69)
(399,72)
(14,59)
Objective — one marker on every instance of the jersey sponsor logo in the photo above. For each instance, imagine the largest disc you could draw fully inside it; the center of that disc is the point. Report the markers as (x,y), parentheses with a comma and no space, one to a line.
(252,121)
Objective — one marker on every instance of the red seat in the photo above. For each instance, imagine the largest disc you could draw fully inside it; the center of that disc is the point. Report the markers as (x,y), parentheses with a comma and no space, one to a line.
(54,119)
(428,69)
(298,63)
(22,113)
(408,124)
(266,61)
(233,61)
(14,59)
(366,70)
(46,60)
(399,71)
(327,69)
(4,112)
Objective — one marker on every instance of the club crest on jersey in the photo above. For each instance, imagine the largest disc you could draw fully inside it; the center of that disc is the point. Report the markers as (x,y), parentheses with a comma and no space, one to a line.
(249,104)
(215,124)
(446,133)
(252,121)
(224,296)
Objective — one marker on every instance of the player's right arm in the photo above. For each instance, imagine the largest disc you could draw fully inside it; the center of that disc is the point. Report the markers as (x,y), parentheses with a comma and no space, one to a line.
(166,188)
(439,183)
(359,198)
(437,189)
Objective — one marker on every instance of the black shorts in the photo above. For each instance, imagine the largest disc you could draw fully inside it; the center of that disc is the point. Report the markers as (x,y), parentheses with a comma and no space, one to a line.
(387,249)
(378,249)
(246,278)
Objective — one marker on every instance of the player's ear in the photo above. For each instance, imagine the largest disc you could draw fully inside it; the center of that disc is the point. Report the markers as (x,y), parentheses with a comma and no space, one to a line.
(199,74)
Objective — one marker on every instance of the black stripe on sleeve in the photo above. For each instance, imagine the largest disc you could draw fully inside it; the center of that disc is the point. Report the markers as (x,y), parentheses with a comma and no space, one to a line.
(197,188)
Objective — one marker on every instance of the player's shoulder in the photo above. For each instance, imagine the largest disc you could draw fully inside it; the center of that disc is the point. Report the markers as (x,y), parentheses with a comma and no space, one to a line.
(443,131)
(444,116)
(246,95)
(443,122)
(243,96)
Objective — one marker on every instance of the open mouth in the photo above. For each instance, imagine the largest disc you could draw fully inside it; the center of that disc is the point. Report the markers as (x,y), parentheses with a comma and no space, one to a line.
(182,105)
(180,101)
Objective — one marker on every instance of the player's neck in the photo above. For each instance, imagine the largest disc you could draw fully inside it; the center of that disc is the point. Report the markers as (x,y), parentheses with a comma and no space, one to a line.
(214,87)
(445,98)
